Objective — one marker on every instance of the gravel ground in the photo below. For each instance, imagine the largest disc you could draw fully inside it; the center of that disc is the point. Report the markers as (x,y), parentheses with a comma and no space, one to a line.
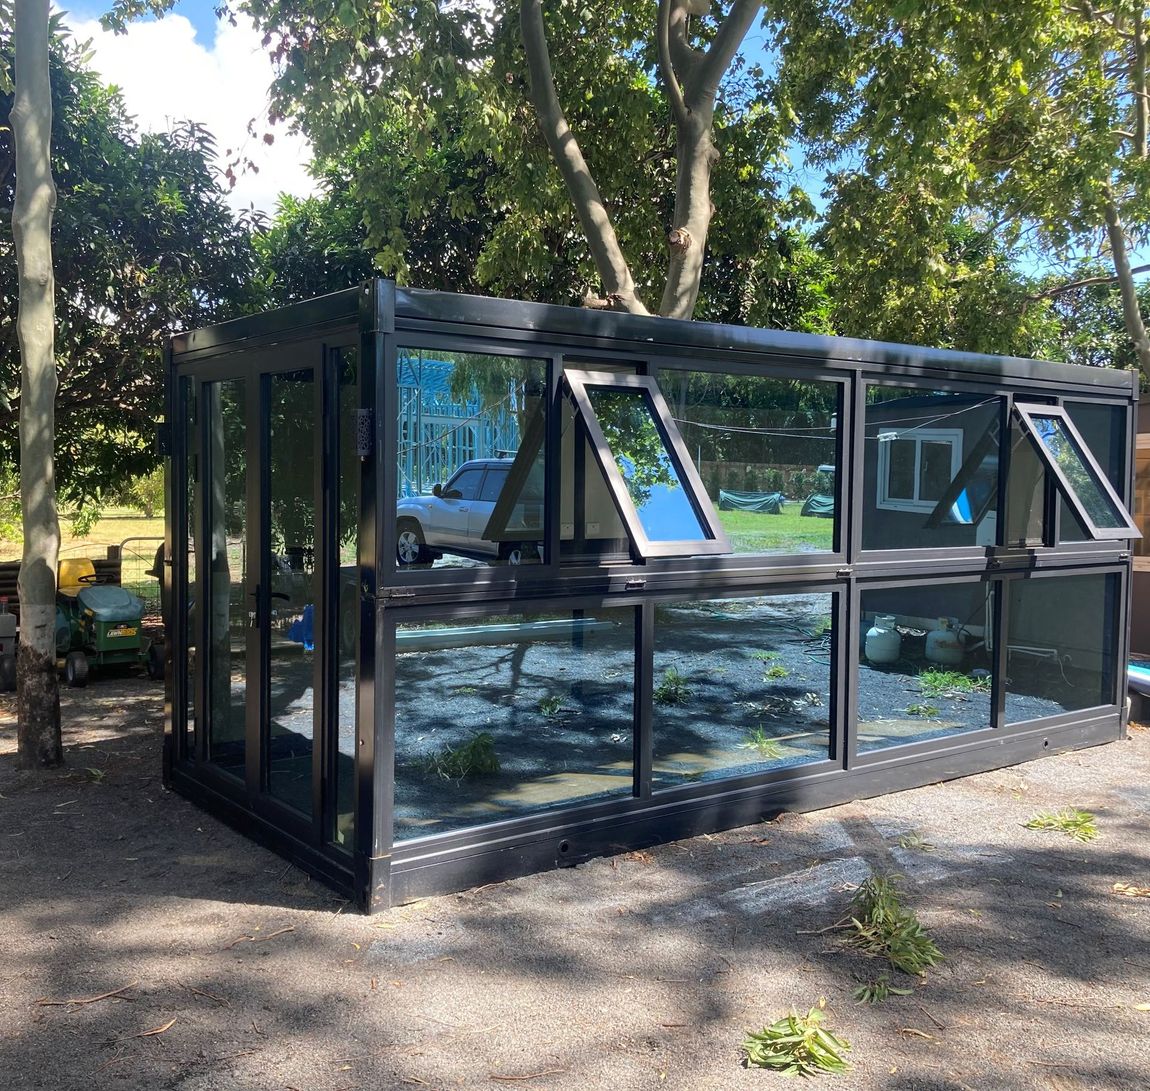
(232,970)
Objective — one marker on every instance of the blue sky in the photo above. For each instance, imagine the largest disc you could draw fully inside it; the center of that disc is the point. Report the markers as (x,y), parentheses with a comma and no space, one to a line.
(200,13)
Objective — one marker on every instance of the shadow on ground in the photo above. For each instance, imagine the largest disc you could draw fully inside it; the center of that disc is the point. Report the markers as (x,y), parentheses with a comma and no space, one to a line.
(233,970)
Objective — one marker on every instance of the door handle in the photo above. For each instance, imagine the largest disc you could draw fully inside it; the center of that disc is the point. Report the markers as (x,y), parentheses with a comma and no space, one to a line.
(462,508)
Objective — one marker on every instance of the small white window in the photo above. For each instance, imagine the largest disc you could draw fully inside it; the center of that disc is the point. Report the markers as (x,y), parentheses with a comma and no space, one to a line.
(916,467)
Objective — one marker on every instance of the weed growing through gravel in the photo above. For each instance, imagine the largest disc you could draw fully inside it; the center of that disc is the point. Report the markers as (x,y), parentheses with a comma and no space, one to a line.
(936,683)
(882,927)
(927,712)
(915,840)
(798,1045)
(474,758)
(762,743)
(673,689)
(551,707)
(766,657)
(775,672)
(1074,823)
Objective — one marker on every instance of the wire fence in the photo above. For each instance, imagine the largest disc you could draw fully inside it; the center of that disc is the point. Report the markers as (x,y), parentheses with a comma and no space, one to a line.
(140,568)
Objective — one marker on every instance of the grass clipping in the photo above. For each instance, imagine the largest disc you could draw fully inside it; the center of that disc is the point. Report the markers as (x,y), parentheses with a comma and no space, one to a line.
(880,926)
(1076,824)
(798,1045)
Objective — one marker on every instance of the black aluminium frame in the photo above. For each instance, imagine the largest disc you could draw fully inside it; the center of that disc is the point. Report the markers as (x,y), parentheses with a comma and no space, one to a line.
(377,319)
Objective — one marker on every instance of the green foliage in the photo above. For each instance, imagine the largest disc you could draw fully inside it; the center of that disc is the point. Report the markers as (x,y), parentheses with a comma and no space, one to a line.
(144,244)
(1076,824)
(763,744)
(146,493)
(875,992)
(773,674)
(940,683)
(928,712)
(474,758)
(672,689)
(798,1045)
(915,840)
(9,505)
(766,657)
(551,707)
(882,927)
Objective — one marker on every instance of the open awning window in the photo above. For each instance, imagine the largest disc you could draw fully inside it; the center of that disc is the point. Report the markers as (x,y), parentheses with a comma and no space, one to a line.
(1077,475)
(654,485)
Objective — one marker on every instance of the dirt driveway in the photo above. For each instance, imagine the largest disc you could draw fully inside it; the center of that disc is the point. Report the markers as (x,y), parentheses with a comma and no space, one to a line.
(230,969)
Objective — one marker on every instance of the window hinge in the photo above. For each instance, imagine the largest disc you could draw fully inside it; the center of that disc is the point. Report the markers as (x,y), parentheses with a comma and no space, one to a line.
(398,593)
(635,584)
(842,572)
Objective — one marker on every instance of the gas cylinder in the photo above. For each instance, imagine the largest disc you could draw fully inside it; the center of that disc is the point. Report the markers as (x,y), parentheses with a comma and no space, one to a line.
(945,645)
(883,641)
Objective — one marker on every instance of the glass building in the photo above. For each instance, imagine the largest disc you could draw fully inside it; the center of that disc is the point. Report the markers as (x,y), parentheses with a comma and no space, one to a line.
(462,588)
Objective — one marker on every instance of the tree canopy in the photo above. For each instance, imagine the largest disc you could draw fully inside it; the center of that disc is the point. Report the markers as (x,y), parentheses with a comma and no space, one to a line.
(145,244)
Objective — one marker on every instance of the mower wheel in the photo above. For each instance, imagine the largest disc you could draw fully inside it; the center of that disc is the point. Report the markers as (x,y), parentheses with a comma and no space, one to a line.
(7,673)
(76,669)
(156,662)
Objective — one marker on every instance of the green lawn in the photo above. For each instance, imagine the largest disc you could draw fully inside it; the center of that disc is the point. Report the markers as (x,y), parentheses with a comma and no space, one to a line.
(787,532)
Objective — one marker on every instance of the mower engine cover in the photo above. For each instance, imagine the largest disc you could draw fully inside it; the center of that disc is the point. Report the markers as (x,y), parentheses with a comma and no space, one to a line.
(107,602)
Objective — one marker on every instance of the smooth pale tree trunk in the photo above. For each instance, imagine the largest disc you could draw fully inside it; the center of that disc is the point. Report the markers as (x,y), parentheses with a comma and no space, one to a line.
(38,700)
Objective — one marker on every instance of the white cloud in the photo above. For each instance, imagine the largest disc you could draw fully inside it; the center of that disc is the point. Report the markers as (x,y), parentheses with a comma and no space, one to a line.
(166,76)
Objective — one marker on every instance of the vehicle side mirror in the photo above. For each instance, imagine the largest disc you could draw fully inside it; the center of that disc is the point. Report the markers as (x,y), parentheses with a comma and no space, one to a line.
(452,494)
(437,489)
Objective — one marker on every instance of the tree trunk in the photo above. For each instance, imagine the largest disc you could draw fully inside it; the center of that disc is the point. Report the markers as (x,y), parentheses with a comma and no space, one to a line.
(1131,314)
(38,701)
(694,153)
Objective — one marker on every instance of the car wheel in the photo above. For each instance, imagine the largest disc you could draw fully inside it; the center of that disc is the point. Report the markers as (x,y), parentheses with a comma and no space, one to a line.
(76,669)
(409,547)
(7,673)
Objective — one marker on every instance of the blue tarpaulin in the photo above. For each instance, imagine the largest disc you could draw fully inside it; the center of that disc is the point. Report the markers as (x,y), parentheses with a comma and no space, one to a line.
(770,503)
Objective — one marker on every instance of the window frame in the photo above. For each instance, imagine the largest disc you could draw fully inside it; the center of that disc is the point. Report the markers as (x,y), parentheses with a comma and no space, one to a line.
(883,500)
(1025,412)
(578,382)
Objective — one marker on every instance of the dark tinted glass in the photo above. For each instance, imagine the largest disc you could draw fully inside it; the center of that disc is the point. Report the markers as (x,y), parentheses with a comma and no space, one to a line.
(766,450)
(930,471)
(924,665)
(493,485)
(505,716)
(651,476)
(741,686)
(347,620)
(466,484)
(1061,645)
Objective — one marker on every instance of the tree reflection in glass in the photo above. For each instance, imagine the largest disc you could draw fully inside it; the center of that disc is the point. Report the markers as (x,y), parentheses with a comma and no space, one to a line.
(651,477)
(1058,441)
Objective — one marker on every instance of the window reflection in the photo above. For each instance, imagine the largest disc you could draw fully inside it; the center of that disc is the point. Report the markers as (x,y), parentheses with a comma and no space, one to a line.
(924,663)
(1103,428)
(1068,457)
(652,480)
(505,716)
(347,622)
(470,459)
(741,686)
(766,451)
(930,469)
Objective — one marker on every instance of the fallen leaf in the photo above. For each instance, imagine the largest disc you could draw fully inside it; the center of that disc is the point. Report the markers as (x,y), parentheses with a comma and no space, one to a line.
(1129,890)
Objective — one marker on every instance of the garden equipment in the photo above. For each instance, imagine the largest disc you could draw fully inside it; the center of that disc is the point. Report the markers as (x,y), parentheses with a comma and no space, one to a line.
(99,625)
(7,646)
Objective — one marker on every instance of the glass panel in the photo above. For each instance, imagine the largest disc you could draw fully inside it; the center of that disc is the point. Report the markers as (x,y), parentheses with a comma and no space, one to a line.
(1083,480)
(765,449)
(652,479)
(1103,427)
(1025,492)
(930,469)
(741,686)
(462,413)
(589,525)
(505,716)
(191,515)
(225,495)
(1141,510)
(348,620)
(924,663)
(1062,644)
(291,574)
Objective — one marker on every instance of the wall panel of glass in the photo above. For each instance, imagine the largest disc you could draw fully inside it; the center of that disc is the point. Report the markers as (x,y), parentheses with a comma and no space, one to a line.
(1061,644)
(741,685)
(498,717)
(1103,427)
(925,663)
(930,468)
(766,450)
(225,498)
(186,664)
(291,575)
(470,428)
(347,619)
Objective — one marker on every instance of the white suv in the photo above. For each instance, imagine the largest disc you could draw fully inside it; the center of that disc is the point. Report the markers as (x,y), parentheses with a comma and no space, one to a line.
(454,518)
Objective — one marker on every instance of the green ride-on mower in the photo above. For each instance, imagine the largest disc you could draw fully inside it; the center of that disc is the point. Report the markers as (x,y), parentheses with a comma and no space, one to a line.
(99,625)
